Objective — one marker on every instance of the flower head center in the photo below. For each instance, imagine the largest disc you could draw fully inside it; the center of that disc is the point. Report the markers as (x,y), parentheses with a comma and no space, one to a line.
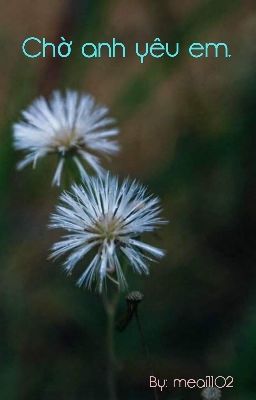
(108,227)
(65,141)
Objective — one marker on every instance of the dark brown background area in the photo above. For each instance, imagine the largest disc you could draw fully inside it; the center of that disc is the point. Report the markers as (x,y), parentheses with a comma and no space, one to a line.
(188,132)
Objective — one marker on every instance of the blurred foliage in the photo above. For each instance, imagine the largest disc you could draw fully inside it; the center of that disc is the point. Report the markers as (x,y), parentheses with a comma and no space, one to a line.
(188,131)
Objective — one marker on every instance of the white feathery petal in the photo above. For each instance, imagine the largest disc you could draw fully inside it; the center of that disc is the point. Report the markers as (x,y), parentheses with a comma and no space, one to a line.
(90,274)
(74,258)
(80,167)
(71,242)
(105,220)
(119,272)
(93,161)
(69,125)
(158,253)
(29,159)
(57,175)
(136,259)
(103,267)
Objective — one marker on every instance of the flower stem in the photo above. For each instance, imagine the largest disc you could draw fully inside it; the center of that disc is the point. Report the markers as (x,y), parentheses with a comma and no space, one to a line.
(111,358)
(110,308)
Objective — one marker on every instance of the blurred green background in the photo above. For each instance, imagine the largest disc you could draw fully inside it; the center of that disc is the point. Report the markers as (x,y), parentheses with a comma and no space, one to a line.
(188,132)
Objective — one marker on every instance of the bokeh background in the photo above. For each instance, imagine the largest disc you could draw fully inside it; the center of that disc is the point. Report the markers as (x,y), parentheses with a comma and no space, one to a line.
(188,132)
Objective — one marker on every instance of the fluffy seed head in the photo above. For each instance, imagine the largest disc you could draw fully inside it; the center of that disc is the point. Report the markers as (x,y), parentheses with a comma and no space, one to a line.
(69,125)
(104,220)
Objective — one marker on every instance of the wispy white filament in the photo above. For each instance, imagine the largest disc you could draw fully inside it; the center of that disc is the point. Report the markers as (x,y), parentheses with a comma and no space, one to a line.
(69,125)
(105,220)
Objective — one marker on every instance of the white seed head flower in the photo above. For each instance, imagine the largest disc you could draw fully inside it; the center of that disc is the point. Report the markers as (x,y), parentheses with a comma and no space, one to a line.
(211,393)
(66,125)
(105,219)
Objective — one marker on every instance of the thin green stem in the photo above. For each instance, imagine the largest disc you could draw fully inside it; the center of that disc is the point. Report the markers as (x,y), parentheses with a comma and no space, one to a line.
(110,306)
(111,358)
